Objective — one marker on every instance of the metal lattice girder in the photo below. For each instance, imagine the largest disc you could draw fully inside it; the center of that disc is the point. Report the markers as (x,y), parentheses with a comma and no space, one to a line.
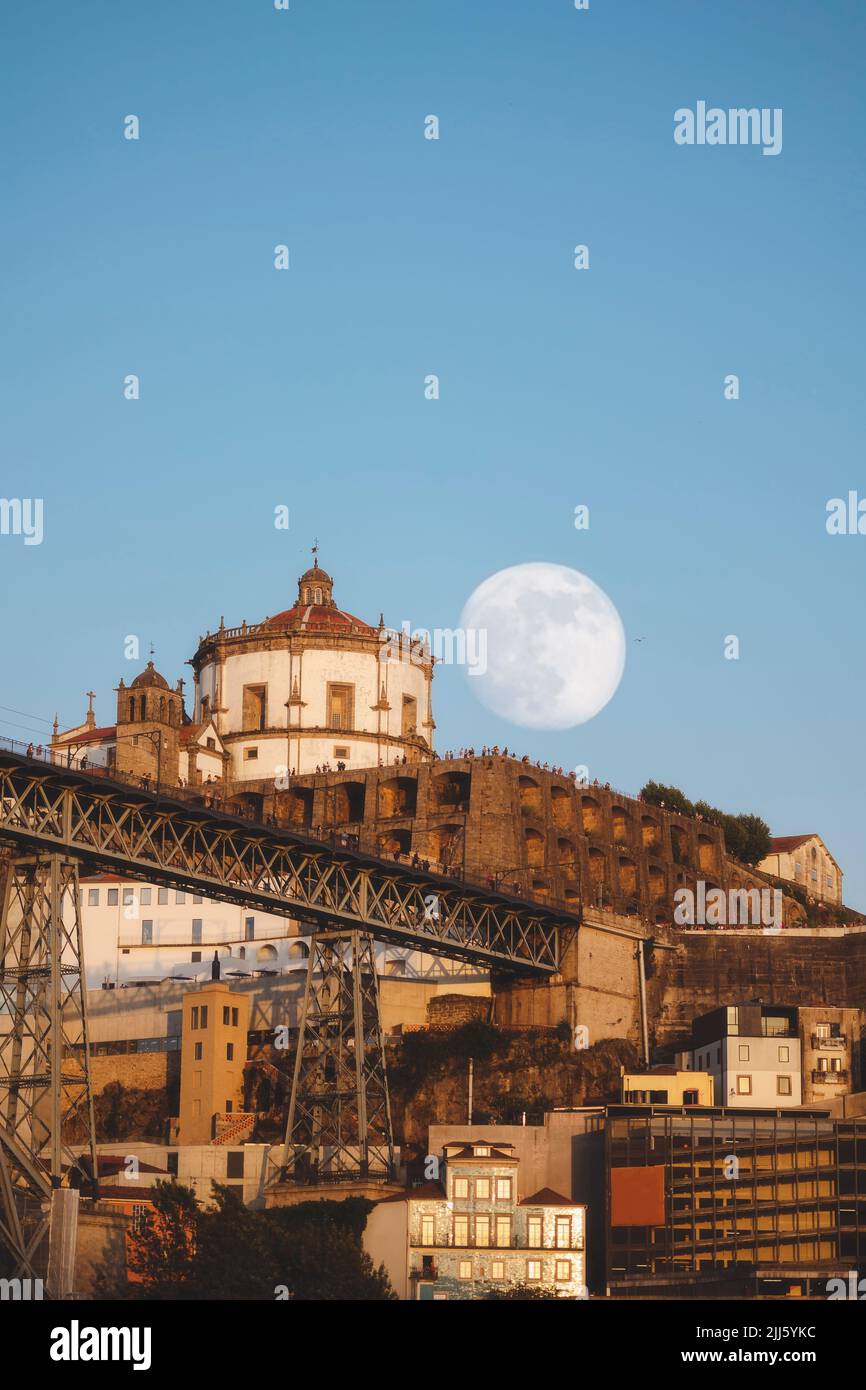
(116,828)
(46,1101)
(339,1123)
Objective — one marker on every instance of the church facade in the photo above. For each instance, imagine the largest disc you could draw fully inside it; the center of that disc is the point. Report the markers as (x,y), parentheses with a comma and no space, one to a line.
(311,688)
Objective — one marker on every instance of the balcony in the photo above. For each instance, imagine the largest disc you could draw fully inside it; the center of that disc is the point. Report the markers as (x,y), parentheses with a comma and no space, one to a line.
(515,1243)
(831,1078)
(838,1042)
(426,1272)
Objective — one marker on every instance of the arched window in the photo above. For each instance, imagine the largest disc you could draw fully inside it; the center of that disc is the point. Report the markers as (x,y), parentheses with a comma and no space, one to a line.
(132,706)
(143,714)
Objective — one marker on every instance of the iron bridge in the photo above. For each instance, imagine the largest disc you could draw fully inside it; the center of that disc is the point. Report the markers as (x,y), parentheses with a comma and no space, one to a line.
(111,827)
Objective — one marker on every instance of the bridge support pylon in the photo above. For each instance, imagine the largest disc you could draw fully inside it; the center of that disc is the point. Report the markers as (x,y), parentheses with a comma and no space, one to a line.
(47,1132)
(339,1123)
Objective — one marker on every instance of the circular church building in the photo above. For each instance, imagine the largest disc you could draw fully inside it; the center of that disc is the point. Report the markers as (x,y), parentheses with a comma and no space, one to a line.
(314,687)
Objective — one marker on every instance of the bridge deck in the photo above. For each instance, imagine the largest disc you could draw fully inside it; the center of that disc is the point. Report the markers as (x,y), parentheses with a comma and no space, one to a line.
(109,826)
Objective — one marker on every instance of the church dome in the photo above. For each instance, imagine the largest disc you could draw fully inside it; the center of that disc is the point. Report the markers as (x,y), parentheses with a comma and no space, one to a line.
(315,609)
(150,677)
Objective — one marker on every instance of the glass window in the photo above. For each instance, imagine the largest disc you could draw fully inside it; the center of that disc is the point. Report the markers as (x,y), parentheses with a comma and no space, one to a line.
(128,897)
(464,1269)
(145,896)
(563,1271)
(744,1052)
(482,1189)
(563,1232)
(193,1018)
(196,930)
(783,1085)
(196,897)
(482,1230)
(226,1013)
(482,1151)
(497,1269)
(147,933)
(197,1052)
(195,958)
(503,1189)
(503,1230)
(533,1271)
(93,897)
(112,897)
(461,1230)
(180,899)
(533,1230)
(428,1230)
(744,1085)
(204,1016)
(461,1187)
(784,1054)
(249,928)
(162,896)
(234,1018)
(230,1052)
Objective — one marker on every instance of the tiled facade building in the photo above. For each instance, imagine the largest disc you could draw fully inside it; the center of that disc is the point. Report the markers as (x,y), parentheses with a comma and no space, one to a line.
(473,1233)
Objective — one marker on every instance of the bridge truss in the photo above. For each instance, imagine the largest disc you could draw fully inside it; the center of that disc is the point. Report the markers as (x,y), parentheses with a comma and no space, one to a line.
(55,820)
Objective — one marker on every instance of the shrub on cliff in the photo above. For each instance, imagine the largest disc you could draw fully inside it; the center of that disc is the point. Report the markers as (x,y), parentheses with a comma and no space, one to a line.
(747,837)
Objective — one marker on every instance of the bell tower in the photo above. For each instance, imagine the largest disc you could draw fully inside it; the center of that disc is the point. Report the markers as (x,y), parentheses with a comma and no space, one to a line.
(149,716)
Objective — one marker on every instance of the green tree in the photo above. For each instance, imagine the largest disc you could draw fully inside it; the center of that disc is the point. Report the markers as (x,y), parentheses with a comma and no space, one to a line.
(160,1256)
(229,1251)
(756,838)
(657,794)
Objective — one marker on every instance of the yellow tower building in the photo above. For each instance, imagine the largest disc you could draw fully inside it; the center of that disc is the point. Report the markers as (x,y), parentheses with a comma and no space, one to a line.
(213,1054)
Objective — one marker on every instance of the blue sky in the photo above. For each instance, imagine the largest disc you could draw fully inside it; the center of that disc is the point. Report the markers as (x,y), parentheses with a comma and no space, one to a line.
(452,257)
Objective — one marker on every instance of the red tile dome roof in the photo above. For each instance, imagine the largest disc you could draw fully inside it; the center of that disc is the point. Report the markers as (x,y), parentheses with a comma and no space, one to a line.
(315,608)
(313,616)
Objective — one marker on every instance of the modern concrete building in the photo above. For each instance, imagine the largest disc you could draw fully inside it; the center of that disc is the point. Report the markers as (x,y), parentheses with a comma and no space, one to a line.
(136,933)
(732,1203)
(752,1052)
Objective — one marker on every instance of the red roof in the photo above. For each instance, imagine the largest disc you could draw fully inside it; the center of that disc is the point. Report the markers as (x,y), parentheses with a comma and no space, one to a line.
(788,842)
(90,735)
(116,1163)
(546,1197)
(320,617)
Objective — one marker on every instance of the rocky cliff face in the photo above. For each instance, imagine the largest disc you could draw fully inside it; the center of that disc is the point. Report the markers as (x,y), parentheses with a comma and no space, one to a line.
(530,1072)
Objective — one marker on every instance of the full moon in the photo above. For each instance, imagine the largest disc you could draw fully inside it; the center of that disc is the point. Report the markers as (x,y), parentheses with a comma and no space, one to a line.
(555,646)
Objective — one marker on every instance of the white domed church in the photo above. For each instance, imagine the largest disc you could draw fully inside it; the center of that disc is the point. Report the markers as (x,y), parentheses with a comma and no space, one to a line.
(311,687)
